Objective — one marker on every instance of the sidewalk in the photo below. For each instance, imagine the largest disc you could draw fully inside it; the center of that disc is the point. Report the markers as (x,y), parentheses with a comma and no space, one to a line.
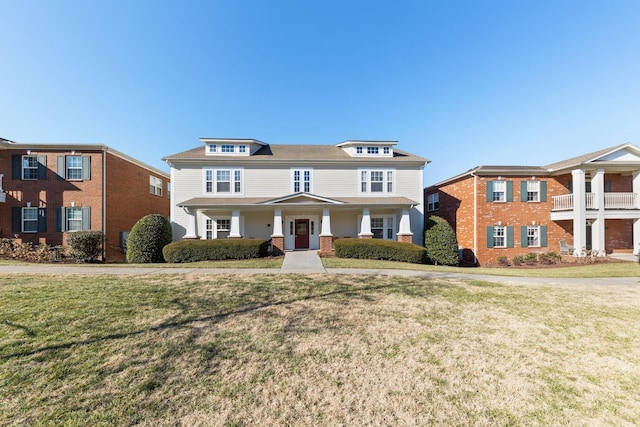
(306,262)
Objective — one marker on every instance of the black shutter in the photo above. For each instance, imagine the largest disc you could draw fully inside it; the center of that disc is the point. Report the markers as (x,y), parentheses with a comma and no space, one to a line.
(86,167)
(42,167)
(61,170)
(42,219)
(16,220)
(16,169)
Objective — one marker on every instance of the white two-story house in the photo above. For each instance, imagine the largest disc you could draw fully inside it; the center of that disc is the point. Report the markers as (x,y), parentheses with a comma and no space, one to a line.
(299,196)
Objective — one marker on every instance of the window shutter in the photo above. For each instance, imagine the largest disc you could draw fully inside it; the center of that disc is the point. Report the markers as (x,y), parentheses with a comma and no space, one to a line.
(509,191)
(42,219)
(510,236)
(86,167)
(42,167)
(489,237)
(60,168)
(524,238)
(16,220)
(543,191)
(523,191)
(16,169)
(60,222)
(570,186)
(489,191)
(543,236)
(86,218)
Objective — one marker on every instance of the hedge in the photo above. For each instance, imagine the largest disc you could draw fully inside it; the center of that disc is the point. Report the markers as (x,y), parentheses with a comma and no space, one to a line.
(217,249)
(85,246)
(380,249)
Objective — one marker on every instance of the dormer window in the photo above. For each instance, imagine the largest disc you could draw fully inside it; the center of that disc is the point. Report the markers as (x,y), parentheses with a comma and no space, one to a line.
(372,150)
(386,150)
(242,148)
(213,148)
(228,148)
(358,150)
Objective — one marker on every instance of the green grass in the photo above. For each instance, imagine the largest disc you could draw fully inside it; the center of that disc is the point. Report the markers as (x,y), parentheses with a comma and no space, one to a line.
(307,350)
(613,269)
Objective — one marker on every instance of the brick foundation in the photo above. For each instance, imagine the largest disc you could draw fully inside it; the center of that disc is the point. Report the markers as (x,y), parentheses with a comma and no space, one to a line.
(278,245)
(326,244)
(405,238)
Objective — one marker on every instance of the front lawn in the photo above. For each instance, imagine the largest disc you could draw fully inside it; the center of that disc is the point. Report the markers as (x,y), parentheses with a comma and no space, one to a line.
(315,350)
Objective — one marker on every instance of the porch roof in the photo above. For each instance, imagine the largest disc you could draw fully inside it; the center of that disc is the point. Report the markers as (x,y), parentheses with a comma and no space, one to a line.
(295,200)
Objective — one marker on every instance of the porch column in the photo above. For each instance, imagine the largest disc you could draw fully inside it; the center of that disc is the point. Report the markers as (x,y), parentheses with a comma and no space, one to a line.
(636,188)
(277,238)
(404,233)
(636,237)
(365,225)
(579,212)
(326,238)
(235,224)
(597,227)
(192,230)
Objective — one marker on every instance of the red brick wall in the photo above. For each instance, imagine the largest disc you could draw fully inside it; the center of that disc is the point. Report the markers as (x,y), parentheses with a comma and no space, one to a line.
(618,235)
(128,200)
(51,194)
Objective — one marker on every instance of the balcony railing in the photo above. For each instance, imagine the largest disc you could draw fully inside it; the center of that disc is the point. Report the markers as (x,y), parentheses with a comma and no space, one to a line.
(611,201)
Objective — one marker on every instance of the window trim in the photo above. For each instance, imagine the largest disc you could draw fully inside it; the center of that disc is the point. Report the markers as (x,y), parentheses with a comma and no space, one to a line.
(304,185)
(155,186)
(388,225)
(388,180)
(211,227)
(433,205)
(35,220)
(31,168)
(236,181)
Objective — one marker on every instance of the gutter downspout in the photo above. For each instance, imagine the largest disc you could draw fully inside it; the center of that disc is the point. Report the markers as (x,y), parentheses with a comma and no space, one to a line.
(475,218)
(104,205)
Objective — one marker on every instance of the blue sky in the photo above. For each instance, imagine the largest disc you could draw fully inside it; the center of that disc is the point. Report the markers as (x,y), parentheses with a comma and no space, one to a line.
(462,83)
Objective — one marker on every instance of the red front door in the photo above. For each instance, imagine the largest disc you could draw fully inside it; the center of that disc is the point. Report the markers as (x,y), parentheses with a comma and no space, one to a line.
(302,234)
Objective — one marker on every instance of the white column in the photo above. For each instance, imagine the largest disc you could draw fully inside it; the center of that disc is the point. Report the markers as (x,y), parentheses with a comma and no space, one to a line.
(277,223)
(365,224)
(579,211)
(636,187)
(597,228)
(405,223)
(326,223)
(192,230)
(235,224)
(636,237)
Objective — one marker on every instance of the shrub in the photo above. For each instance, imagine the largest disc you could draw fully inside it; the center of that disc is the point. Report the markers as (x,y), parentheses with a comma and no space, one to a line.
(531,258)
(549,258)
(207,250)
(85,246)
(380,249)
(441,242)
(518,259)
(503,260)
(147,238)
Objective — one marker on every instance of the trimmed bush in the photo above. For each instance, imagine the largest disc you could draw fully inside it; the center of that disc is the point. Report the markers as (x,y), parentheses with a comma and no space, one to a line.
(218,249)
(147,238)
(85,246)
(380,249)
(441,242)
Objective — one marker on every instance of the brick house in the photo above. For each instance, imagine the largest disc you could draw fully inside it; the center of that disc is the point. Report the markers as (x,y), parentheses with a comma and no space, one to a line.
(50,190)
(299,196)
(590,203)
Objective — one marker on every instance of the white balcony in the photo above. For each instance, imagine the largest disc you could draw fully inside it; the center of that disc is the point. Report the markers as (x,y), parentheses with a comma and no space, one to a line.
(611,201)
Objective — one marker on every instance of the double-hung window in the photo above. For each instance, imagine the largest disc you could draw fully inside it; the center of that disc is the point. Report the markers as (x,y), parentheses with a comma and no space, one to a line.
(30,167)
(376,181)
(155,185)
(499,236)
(74,219)
(301,180)
(382,227)
(74,167)
(29,220)
(218,228)
(533,191)
(223,181)
(499,191)
(433,202)
(533,235)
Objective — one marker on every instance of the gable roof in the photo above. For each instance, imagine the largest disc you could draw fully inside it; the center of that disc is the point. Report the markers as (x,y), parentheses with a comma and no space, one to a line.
(591,157)
(293,152)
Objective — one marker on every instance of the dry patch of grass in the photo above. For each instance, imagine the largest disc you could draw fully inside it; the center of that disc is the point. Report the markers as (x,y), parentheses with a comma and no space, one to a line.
(310,350)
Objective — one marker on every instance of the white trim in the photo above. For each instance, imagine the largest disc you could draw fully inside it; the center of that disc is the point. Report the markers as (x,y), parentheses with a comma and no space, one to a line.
(385,181)
(214,181)
(302,180)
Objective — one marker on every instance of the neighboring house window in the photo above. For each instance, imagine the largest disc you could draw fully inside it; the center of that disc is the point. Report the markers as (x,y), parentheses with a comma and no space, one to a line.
(155,185)
(29,167)
(533,191)
(382,227)
(223,181)
(533,236)
(376,181)
(74,219)
(433,202)
(28,220)
(358,150)
(500,191)
(74,168)
(218,228)
(372,150)
(227,148)
(500,236)
(301,180)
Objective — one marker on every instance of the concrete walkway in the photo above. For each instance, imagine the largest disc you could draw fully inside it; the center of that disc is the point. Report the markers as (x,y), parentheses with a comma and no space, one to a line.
(306,262)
